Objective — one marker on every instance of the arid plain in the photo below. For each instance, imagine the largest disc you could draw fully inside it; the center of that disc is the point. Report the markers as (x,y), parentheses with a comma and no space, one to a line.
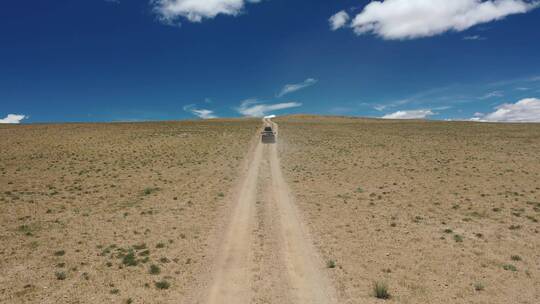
(438,212)
(113,213)
(441,212)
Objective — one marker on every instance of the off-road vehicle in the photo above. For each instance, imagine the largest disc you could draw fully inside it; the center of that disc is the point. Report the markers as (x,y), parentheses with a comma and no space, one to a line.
(268,135)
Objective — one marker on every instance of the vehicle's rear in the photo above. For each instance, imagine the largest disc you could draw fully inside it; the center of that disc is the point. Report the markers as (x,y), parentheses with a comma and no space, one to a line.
(268,136)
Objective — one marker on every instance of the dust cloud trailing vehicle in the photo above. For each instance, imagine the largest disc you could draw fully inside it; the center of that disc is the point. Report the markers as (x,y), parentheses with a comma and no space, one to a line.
(268,136)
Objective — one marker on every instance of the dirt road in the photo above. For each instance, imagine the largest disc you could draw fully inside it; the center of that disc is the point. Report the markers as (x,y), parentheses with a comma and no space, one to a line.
(266,254)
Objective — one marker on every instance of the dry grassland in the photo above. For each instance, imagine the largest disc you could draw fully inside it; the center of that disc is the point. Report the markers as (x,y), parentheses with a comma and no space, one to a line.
(440,212)
(113,213)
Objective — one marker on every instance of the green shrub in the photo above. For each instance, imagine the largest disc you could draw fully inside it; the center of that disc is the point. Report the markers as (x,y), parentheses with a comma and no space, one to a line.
(154,269)
(162,284)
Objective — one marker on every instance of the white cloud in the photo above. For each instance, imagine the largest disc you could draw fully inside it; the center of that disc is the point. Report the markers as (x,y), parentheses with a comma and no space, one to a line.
(201,113)
(253,108)
(13,119)
(411,114)
(289,88)
(339,20)
(525,110)
(409,19)
(169,11)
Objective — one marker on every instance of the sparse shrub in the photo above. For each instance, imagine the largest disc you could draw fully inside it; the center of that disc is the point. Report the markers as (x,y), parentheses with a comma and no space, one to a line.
(154,269)
(148,191)
(514,227)
(331,264)
(139,246)
(144,253)
(532,218)
(60,275)
(162,284)
(115,291)
(448,230)
(515,258)
(59,253)
(25,229)
(380,290)
(160,245)
(458,238)
(509,267)
(129,259)
(478,286)
(164,260)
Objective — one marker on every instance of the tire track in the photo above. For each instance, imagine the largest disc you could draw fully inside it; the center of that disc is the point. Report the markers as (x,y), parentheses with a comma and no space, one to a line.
(231,282)
(266,254)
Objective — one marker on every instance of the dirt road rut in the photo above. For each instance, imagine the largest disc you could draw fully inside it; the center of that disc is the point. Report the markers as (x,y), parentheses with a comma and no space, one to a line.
(266,254)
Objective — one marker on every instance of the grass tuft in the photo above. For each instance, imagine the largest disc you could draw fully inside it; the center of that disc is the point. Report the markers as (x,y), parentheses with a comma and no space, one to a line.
(380,290)
(331,264)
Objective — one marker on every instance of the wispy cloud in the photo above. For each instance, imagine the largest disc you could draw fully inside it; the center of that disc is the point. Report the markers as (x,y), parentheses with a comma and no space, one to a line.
(430,96)
(201,113)
(525,110)
(254,108)
(493,94)
(410,19)
(170,11)
(474,37)
(290,88)
(13,119)
(339,20)
(409,114)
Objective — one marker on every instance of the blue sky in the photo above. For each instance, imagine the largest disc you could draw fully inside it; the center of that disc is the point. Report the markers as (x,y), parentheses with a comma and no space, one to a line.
(106,60)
